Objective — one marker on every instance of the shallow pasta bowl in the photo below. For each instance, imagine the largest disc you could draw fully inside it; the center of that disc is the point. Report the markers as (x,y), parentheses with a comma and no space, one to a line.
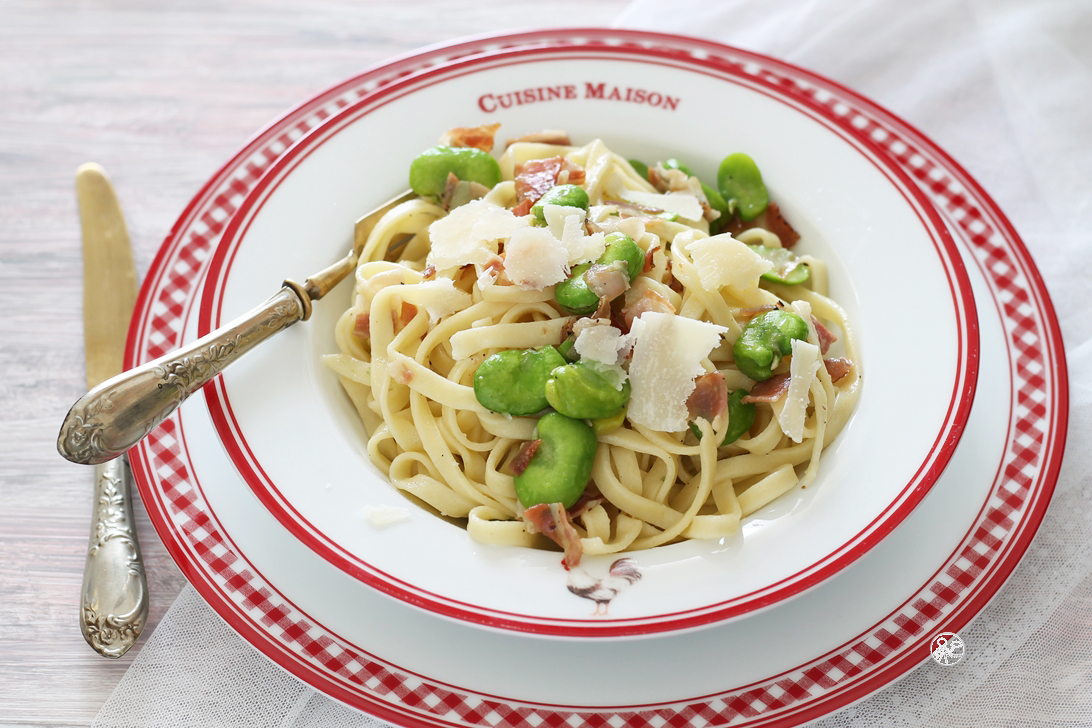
(297,442)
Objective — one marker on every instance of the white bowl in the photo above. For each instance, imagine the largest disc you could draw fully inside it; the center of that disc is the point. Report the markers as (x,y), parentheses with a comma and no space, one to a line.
(297,442)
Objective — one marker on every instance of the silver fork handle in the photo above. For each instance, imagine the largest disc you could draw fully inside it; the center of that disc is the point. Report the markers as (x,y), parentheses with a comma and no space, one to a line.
(121,411)
(114,599)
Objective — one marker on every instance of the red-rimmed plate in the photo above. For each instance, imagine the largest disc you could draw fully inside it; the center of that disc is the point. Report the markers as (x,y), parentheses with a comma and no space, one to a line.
(854,633)
(891,261)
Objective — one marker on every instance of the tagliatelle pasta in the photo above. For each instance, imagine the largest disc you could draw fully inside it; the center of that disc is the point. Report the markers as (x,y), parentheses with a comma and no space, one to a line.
(449,280)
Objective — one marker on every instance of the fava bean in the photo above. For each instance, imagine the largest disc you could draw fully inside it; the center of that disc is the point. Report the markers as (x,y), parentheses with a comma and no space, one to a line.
(573,294)
(579,390)
(621,248)
(742,187)
(606,425)
(741,415)
(562,464)
(566,195)
(429,170)
(567,348)
(513,381)
(787,266)
(765,340)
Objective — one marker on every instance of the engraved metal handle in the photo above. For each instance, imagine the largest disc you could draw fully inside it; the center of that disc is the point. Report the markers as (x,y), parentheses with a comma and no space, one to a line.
(121,411)
(114,603)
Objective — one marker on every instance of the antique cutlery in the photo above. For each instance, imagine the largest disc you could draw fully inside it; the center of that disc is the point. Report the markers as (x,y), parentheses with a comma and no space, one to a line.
(114,598)
(118,413)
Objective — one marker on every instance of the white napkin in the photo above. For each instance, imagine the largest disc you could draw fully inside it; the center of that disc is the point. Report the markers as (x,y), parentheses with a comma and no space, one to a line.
(1004,86)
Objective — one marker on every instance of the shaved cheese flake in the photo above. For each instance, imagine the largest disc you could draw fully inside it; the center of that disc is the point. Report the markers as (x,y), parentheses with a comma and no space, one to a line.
(560,217)
(606,220)
(567,225)
(382,516)
(683,204)
(667,355)
(724,261)
(534,259)
(604,344)
(469,234)
(613,374)
(803,310)
(792,409)
(439,297)
(497,223)
(487,276)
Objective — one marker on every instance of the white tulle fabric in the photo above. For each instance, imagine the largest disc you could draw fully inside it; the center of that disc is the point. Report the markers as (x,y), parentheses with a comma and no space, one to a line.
(1005,87)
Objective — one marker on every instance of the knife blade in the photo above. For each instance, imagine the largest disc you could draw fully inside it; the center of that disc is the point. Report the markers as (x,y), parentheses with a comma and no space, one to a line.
(114,598)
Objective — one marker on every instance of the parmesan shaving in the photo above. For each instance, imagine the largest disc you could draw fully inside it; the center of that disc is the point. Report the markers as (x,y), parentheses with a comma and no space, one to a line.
(382,516)
(469,234)
(534,259)
(683,204)
(792,410)
(667,355)
(724,261)
(566,223)
(602,343)
(803,309)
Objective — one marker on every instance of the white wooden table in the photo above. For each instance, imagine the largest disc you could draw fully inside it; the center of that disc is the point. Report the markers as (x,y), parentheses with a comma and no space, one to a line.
(161,94)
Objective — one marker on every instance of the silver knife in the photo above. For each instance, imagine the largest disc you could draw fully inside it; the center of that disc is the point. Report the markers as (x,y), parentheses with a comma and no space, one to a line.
(114,602)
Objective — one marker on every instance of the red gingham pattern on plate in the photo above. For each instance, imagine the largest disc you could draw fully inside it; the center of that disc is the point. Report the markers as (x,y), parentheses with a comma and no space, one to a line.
(888,649)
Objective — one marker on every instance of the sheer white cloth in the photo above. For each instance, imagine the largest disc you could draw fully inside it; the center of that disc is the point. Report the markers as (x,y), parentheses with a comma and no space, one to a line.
(1005,87)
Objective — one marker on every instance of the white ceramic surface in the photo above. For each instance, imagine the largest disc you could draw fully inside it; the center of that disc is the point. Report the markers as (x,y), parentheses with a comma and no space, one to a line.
(893,267)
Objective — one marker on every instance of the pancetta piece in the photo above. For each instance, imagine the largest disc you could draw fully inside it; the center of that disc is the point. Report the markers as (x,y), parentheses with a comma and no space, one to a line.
(479,137)
(646,300)
(837,368)
(523,456)
(826,338)
(771,219)
(534,177)
(709,399)
(551,520)
(770,390)
(607,281)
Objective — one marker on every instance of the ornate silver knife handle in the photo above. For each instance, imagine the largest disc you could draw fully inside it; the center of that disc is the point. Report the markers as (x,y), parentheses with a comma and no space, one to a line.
(121,411)
(114,602)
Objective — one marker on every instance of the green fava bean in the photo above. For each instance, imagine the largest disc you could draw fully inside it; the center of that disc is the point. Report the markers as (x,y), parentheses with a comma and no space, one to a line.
(741,415)
(787,266)
(562,464)
(429,170)
(676,164)
(765,340)
(573,294)
(513,381)
(578,390)
(742,187)
(621,248)
(567,195)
